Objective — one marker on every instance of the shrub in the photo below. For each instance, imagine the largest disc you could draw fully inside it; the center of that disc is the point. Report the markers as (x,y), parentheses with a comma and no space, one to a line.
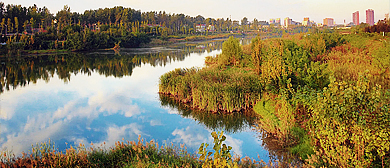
(231,52)
(350,124)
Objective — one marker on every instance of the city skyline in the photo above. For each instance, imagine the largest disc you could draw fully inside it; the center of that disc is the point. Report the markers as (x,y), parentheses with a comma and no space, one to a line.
(264,10)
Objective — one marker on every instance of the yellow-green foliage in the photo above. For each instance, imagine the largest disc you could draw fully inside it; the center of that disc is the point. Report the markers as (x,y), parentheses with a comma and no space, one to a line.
(348,60)
(231,52)
(351,124)
(123,154)
(213,89)
(221,157)
(280,62)
(277,117)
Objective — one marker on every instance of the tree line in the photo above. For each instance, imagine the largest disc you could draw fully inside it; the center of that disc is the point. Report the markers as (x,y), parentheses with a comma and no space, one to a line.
(35,28)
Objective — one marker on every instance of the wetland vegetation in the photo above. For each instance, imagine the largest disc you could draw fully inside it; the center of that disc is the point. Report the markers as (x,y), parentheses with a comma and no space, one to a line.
(323,96)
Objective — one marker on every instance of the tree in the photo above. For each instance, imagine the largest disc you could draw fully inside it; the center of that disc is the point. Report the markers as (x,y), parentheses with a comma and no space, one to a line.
(25,24)
(2,24)
(244,21)
(9,25)
(231,52)
(16,24)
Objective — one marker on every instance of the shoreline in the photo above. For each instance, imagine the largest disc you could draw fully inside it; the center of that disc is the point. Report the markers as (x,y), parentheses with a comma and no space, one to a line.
(154,43)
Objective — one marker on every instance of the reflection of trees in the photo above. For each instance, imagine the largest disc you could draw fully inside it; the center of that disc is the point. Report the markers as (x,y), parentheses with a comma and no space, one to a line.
(278,152)
(20,71)
(229,123)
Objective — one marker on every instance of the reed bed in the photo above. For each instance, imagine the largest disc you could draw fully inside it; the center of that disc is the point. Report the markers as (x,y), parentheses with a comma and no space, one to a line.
(213,89)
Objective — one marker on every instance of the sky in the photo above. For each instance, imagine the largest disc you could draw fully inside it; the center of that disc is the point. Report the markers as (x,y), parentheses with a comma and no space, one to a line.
(316,10)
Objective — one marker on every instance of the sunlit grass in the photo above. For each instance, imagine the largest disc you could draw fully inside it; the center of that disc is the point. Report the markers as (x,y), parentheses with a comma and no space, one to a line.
(123,154)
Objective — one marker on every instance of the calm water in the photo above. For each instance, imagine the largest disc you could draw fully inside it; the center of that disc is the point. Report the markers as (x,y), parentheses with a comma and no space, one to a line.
(102,97)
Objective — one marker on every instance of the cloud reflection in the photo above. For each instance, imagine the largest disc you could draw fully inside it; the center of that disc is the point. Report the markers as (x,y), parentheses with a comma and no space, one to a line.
(99,109)
(87,103)
(193,137)
(22,141)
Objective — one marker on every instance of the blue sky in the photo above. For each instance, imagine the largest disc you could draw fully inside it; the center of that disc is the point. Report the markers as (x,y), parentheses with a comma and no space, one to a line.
(237,9)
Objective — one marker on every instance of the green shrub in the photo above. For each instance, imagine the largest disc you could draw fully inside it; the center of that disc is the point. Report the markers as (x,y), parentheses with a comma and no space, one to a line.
(350,124)
(231,52)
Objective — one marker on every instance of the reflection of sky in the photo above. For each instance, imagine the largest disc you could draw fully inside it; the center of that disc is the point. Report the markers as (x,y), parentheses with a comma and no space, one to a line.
(105,109)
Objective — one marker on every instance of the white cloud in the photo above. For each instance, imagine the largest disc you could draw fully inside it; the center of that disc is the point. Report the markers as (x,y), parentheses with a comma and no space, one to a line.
(155,122)
(115,134)
(22,141)
(193,137)
(190,137)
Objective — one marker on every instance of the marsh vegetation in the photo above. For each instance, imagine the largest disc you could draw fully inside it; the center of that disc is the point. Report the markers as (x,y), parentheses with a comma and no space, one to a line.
(325,97)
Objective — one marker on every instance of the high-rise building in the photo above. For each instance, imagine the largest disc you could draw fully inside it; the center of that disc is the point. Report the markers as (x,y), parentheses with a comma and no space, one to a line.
(287,22)
(328,22)
(370,17)
(272,21)
(355,18)
(306,22)
(387,16)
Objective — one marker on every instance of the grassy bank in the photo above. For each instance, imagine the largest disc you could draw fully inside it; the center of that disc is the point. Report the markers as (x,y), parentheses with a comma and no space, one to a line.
(123,154)
(324,96)
(129,154)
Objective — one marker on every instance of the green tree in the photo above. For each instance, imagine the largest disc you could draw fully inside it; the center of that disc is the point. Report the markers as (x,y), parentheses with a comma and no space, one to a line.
(16,24)
(32,22)
(9,25)
(231,52)
(2,24)
(25,24)
(244,21)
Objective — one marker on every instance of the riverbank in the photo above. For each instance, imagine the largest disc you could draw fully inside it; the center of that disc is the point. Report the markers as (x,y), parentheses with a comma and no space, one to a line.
(191,38)
(128,154)
(152,43)
(304,88)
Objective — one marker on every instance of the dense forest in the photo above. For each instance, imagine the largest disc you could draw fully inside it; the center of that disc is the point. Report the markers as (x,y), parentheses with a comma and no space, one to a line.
(35,28)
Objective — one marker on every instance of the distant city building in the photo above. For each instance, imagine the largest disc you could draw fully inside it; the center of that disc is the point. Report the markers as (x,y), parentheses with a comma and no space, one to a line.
(211,28)
(387,16)
(201,28)
(287,22)
(328,22)
(277,22)
(355,18)
(370,17)
(306,22)
(272,21)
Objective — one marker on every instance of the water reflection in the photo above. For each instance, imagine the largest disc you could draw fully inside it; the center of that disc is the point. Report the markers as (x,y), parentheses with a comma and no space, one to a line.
(21,71)
(230,123)
(102,97)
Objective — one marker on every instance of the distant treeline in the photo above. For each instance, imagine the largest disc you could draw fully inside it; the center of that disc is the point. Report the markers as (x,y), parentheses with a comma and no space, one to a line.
(381,26)
(34,28)
(21,71)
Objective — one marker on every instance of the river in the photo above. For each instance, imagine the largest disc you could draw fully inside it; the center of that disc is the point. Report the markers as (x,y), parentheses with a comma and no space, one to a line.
(105,96)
